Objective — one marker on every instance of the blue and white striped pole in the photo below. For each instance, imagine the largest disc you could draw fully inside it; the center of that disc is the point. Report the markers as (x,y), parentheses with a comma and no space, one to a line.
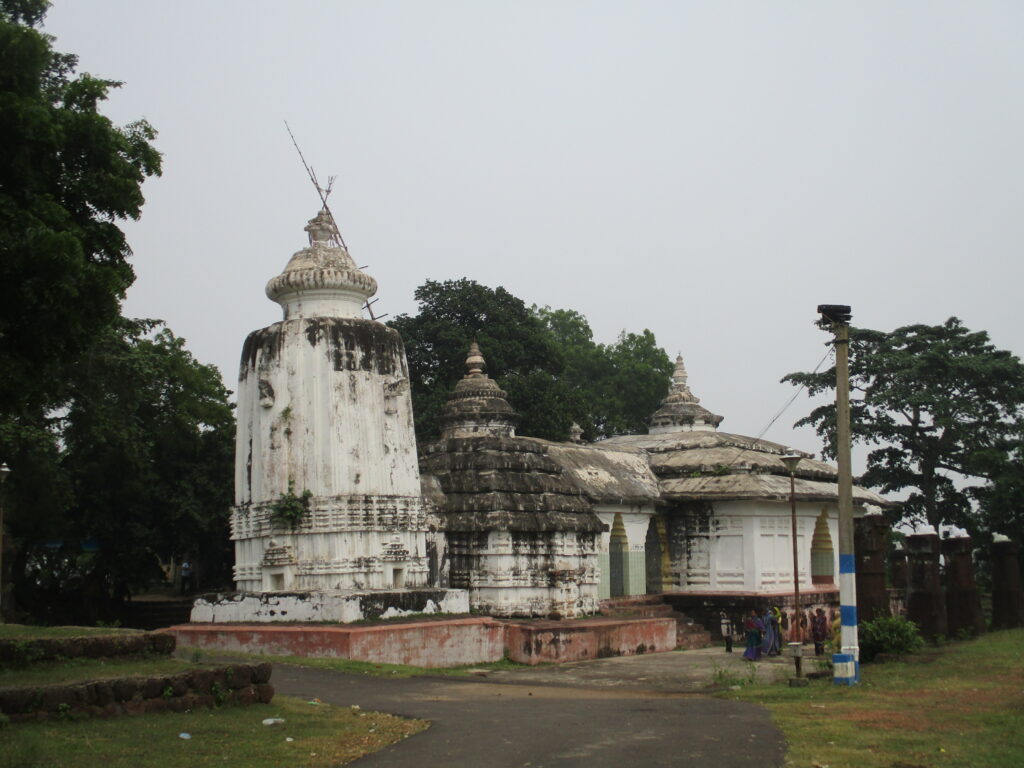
(845,665)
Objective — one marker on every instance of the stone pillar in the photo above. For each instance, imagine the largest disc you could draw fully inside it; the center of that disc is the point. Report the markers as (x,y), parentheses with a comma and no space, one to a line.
(963,602)
(926,604)
(1007,600)
(870,534)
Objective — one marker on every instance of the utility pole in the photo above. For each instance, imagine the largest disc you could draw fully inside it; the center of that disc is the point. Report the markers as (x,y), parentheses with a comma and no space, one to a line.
(845,665)
(4,472)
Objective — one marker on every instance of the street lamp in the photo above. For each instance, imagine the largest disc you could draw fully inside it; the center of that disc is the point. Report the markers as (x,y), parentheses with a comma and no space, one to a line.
(4,472)
(796,637)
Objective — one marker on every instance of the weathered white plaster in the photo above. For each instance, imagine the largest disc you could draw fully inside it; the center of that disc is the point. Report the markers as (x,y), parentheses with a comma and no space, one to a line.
(747,546)
(324,414)
(317,606)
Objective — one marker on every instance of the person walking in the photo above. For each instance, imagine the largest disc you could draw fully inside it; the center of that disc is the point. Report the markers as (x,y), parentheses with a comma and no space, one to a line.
(753,629)
(819,631)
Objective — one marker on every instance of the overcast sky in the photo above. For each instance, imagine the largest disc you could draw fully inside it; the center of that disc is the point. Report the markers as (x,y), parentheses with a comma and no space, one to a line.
(709,170)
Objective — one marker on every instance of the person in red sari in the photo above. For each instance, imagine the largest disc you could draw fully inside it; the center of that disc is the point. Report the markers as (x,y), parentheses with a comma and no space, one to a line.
(753,629)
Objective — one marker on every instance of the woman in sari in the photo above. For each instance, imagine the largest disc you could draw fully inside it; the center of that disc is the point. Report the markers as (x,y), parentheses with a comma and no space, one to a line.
(753,628)
(771,645)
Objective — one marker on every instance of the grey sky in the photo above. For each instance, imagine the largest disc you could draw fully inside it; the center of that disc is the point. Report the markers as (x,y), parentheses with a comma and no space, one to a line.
(711,171)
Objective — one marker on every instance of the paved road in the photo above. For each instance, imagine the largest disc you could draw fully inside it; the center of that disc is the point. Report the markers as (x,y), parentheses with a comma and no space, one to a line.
(555,721)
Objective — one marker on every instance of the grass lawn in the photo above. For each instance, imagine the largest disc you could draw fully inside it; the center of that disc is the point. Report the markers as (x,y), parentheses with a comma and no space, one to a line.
(348,666)
(313,735)
(81,669)
(957,705)
(25,631)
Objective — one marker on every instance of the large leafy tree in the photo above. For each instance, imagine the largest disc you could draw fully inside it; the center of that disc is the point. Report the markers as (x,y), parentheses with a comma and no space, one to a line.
(944,410)
(546,359)
(119,442)
(67,175)
(146,453)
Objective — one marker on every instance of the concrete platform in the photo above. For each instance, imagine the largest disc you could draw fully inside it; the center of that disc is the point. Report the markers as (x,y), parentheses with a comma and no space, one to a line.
(440,642)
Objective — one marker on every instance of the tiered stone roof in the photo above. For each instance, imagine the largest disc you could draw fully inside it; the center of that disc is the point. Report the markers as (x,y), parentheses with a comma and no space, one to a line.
(477,406)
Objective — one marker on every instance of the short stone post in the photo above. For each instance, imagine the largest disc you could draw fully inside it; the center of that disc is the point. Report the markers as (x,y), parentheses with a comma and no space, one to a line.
(926,604)
(870,534)
(1007,600)
(963,602)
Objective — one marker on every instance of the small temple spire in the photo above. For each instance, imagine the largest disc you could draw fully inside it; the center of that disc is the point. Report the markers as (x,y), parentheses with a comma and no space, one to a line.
(477,407)
(680,411)
(321,228)
(475,363)
(679,385)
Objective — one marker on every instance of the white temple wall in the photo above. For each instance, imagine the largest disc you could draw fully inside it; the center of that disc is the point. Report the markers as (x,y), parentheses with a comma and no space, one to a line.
(319,412)
(747,546)
(531,573)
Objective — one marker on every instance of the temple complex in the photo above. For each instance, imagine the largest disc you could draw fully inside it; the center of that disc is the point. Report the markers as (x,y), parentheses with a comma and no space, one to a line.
(334,500)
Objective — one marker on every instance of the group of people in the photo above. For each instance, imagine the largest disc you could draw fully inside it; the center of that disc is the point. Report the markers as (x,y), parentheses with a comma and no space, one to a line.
(763,633)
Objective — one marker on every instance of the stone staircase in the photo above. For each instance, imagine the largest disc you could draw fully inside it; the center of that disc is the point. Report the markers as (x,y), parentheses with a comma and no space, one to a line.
(689,635)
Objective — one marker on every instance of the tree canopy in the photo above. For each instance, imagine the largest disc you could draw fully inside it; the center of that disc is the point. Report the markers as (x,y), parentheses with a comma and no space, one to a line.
(145,458)
(67,174)
(119,442)
(546,359)
(945,410)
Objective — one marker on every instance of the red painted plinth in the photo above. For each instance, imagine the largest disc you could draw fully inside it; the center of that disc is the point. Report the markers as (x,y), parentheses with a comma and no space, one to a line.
(442,643)
(539,642)
(421,643)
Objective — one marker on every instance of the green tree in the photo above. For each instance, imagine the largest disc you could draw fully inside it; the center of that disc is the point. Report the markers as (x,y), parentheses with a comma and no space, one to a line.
(520,353)
(546,359)
(147,446)
(67,175)
(944,408)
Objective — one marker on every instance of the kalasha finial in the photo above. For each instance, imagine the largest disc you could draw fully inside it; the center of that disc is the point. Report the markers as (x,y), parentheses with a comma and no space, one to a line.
(475,363)
(321,228)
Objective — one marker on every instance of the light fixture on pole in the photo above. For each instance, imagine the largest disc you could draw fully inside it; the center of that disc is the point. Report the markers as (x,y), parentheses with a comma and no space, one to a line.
(796,636)
(4,472)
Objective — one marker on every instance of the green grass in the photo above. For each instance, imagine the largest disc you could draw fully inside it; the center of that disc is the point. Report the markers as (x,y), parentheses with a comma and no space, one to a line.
(350,666)
(957,705)
(27,632)
(80,670)
(321,736)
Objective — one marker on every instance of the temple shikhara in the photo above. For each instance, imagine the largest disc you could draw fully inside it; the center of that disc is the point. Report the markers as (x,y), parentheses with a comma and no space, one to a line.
(340,515)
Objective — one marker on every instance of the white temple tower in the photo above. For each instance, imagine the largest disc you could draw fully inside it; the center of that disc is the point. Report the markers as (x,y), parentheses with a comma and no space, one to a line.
(327,489)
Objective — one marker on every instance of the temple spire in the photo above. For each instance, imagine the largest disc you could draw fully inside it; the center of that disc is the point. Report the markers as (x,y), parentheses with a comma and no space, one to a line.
(478,407)
(475,363)
(680,410)
(321,280)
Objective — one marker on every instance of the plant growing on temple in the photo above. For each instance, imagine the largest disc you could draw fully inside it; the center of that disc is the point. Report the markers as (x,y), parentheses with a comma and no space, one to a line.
(943,410)
(290,509)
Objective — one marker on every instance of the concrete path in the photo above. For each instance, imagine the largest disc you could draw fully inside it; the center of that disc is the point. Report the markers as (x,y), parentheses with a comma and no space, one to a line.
(607,713)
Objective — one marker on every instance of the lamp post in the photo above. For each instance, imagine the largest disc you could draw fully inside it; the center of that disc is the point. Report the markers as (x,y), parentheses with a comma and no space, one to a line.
(4,472)
(796,638)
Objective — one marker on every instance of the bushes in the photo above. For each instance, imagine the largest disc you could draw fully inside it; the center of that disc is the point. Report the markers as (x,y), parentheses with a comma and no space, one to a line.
(890,635)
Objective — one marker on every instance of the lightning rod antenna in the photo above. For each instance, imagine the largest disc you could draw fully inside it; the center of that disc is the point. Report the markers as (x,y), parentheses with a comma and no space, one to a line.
(321,192)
